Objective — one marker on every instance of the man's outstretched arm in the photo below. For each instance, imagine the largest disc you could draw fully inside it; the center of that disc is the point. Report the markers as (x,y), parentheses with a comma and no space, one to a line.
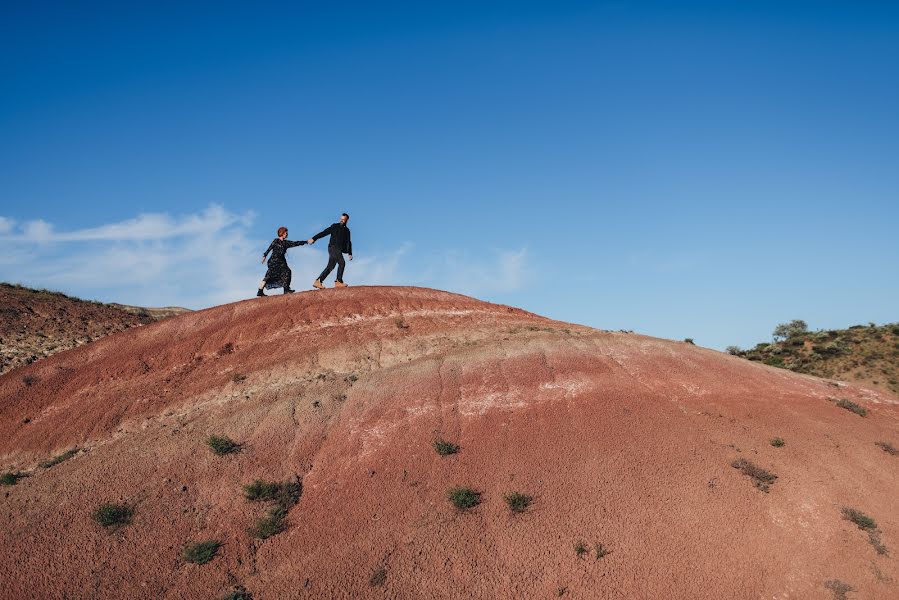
(321,234)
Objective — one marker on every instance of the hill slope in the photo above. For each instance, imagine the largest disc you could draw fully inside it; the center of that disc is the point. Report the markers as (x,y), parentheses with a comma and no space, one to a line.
(623,441)
(37,323)
(867,355)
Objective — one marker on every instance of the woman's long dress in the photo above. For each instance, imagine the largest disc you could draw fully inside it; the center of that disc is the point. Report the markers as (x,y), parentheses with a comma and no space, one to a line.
(278,274)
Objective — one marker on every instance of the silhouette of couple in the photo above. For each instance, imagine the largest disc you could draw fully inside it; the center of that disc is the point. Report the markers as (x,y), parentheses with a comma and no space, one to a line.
(279,274)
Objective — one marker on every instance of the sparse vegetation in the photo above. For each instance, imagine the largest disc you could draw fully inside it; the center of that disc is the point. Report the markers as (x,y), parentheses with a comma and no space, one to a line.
(226,349)
(852,406)
(887,447)
(733,350)
(284,495)
(601,551)
(785,331)
(444,448)
(839,589)
(861,520)
(401,324)
(58,459)
(222,445)
(29,380)
(761,478)
(113,515)
(378,577)
(861,353)
(777,442)
(689,341)
(518,502)
(239,593)
(238,377)
(202,552)
(580,548)
(11,478)
(464,498)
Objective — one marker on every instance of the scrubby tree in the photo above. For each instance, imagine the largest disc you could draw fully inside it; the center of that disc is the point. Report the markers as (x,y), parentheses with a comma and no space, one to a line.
(735,350)
(787,330)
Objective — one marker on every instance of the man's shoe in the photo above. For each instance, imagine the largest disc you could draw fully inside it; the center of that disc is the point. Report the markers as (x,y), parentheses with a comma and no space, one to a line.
(260,293)
(288,291)
(318,284)
(338,284)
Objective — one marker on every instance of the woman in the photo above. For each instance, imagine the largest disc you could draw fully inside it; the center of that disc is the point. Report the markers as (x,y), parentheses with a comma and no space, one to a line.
(278,274)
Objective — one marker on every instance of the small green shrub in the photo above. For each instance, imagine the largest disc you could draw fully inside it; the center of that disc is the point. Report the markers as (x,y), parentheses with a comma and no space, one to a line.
(269,525)
(11,478)
(222,445)
(839,589)
(580,548)
(444,448)
(777,442)
(861,520)
(284,495)
(761,478)
(518,502)
(202,552)
(239,594)
(113,515)
(58,459)
(29,380)
(852,406)
(378,578)
(733,350)
(689,341)
(601,551)
(464,498)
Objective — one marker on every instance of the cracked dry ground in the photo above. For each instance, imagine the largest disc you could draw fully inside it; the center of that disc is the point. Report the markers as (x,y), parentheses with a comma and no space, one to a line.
(624,443)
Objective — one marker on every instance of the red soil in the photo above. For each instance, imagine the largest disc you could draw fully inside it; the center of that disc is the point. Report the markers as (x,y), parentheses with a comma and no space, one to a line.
(621,439)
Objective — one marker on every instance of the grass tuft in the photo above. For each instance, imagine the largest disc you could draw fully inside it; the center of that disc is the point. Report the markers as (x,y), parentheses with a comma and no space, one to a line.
(518,502)
(861,520)
(852,406)
(11,478)
(888,448)
(222,445)
(601,551)
(58,459)
(202,552)
(239,594)
(113,515)
(689,341)
(284,495)
(378,578)
(464,498)
(445,448)
(778,442)
(580,548)
(761,478)
(839,589)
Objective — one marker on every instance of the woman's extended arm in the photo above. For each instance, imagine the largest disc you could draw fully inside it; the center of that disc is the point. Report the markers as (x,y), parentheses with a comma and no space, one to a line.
(293,244)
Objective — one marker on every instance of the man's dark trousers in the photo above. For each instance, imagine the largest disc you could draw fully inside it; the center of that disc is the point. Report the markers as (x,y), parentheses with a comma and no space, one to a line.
(335,257)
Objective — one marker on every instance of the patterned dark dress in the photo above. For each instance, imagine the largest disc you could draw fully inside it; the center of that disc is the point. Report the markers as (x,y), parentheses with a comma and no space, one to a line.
(278,274)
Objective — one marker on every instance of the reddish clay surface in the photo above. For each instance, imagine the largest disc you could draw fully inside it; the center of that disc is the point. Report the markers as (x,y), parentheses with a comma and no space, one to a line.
(621,439)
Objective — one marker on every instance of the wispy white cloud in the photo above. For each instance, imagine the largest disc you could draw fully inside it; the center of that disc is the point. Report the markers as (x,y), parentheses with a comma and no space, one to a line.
(210,257)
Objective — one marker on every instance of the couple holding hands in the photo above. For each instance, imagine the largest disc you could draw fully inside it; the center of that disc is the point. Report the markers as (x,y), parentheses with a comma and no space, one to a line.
(278,274)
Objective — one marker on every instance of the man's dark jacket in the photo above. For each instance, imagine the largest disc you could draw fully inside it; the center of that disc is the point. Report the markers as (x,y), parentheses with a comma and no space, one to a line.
(340,237)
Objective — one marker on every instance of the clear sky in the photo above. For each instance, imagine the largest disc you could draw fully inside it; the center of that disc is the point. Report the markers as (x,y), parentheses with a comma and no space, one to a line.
(681,169)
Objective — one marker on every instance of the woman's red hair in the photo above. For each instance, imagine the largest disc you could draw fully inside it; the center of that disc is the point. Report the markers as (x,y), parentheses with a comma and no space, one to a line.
(282,231)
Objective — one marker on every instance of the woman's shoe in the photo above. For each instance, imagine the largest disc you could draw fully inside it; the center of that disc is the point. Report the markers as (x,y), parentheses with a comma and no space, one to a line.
(288,291)
(340,284)
(260,293)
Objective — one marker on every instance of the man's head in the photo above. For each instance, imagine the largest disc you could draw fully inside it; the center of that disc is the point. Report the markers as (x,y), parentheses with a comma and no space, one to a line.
(344,218)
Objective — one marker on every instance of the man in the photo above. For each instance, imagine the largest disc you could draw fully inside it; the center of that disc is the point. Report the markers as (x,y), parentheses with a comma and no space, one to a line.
(339,244)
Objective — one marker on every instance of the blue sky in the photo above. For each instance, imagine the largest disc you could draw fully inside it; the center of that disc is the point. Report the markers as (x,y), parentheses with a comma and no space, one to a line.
(701,170)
